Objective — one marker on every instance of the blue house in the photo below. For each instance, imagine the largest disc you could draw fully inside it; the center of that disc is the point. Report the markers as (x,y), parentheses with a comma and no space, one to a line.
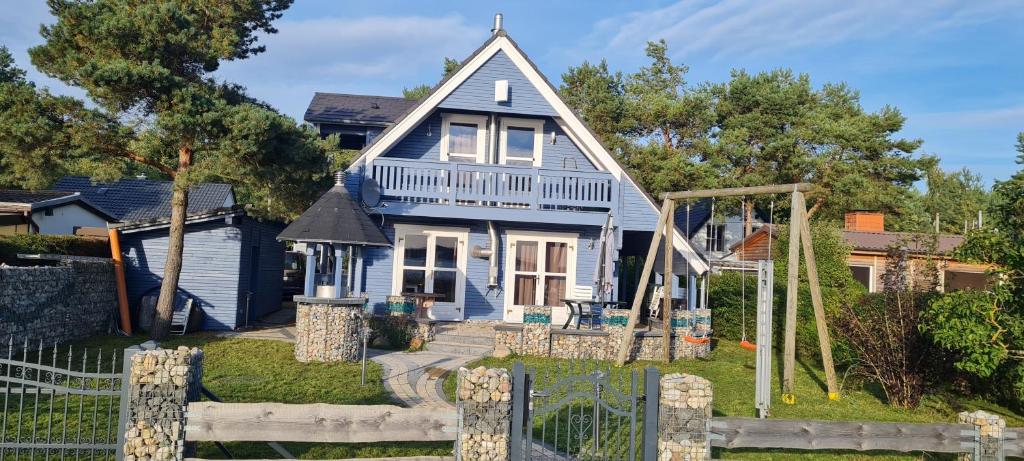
(232,265)
(495,195)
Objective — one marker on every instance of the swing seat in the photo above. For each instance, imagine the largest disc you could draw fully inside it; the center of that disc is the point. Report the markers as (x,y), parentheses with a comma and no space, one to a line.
(748,345)
(691,339)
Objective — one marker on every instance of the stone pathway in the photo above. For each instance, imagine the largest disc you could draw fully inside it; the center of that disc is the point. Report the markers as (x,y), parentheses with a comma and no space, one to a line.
(416,378)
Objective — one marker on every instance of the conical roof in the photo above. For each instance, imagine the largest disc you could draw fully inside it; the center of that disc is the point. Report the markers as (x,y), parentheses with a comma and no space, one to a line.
(335,218)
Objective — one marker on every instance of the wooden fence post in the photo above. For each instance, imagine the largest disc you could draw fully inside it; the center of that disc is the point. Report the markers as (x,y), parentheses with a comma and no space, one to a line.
(684,416)
(988,436)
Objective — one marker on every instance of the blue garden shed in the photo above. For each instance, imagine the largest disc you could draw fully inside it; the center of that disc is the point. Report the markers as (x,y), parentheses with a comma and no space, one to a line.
(232,265)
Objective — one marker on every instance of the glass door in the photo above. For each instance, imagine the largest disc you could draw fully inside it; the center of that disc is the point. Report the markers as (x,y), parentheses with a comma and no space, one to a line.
(540,270)
(433,261)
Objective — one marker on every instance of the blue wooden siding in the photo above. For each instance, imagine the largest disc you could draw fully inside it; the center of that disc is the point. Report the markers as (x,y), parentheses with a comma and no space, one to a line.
(261,269)
(637,214)
(562,155)
(482,303)
(209,271)
(477,92)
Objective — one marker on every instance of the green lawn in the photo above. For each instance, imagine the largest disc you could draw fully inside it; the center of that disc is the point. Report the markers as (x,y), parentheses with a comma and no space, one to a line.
(731,371)
(250,370)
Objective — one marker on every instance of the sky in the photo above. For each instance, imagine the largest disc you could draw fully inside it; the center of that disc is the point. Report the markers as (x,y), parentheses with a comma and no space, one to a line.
(953,68)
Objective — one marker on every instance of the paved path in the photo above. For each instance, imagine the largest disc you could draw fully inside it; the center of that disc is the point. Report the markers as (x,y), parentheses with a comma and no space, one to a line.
(415,378)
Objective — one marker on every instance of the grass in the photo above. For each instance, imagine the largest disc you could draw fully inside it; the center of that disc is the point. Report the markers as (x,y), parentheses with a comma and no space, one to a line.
(731,371)
(251,370)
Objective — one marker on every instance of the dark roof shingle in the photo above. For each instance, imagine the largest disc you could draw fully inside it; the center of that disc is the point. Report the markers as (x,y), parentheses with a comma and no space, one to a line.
(354,108)
(336,218)
(130,200)
(29,197)
(915,242)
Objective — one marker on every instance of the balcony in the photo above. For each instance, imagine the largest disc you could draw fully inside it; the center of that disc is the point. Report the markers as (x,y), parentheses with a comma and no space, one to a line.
(499,192)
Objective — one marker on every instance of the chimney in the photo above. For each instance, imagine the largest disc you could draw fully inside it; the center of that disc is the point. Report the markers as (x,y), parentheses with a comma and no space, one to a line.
(497,24)
(865,221)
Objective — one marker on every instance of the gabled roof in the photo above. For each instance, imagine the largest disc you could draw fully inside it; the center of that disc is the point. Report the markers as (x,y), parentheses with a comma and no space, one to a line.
(20,201)
(700,211)
(335,218)
(568,121)
(356,109)
(131,200)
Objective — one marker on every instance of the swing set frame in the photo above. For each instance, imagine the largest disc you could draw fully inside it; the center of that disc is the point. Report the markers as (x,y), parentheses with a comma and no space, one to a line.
(799,231)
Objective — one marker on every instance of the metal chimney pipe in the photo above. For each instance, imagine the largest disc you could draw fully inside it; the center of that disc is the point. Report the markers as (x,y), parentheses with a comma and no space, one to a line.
(497,23)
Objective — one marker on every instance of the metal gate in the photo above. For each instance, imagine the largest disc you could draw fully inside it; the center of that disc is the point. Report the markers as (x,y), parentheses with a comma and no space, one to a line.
(584,411)
(59,404)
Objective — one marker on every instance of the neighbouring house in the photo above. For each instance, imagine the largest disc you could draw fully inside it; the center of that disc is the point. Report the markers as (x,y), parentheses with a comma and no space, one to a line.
(712,233)
(356,119)
(864,232)
(491,195)
(48,212)
(232,265)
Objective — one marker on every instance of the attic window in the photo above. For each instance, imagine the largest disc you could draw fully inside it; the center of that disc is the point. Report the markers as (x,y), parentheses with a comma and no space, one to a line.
(463,137)
(522,141)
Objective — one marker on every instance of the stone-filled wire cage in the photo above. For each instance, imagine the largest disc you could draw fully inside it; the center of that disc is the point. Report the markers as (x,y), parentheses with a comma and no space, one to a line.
(484,403)
(161,383)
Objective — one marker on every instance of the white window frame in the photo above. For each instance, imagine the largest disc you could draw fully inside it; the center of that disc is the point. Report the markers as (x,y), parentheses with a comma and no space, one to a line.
(538,139)
(513,237)
(481,136)
(871,275)
(432,232)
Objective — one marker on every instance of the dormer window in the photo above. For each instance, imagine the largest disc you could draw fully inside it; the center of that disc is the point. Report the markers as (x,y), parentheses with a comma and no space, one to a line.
(463,138)
(522,141)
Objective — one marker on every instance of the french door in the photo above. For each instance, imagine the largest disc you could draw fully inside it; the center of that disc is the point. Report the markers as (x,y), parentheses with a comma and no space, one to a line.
(432,260)
(540,269)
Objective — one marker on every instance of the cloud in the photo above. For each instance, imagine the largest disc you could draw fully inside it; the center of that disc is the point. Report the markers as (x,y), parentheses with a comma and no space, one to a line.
(754,27)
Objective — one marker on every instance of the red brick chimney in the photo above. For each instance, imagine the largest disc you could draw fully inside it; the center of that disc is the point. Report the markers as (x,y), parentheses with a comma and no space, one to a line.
(867,221)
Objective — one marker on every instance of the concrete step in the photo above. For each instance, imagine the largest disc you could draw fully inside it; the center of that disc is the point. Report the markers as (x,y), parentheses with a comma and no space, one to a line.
(463,339)
(458,348)
(462,329)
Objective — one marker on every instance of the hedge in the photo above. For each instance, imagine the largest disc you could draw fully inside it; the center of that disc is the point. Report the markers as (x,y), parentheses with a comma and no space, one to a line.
(12,245)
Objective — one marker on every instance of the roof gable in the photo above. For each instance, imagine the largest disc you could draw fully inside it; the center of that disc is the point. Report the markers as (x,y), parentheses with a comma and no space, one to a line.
(478,90)
(130,200)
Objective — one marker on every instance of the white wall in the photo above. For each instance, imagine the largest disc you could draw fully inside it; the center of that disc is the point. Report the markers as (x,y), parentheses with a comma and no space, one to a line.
(65,219)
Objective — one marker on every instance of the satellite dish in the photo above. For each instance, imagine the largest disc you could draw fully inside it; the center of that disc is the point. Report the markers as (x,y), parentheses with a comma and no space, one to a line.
(370,192)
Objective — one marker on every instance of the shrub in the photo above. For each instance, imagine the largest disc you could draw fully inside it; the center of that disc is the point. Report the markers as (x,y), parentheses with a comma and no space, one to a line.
(882,330)
(12,245)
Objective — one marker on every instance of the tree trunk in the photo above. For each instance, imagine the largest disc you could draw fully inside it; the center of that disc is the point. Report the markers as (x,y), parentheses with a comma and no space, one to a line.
(175,247)
(817,206)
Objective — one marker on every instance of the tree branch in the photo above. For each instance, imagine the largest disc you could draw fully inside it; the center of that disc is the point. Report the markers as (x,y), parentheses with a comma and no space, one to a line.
(153,163)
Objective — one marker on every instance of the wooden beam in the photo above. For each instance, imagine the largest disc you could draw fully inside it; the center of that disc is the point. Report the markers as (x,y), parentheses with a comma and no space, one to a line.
(792,282)
(641,286)
(739,191)
(840,435)
(668,285)
(824,341)
(318,422)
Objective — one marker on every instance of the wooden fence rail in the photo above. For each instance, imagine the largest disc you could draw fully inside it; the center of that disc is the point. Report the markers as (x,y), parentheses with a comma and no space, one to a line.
(279,422)
(859,436)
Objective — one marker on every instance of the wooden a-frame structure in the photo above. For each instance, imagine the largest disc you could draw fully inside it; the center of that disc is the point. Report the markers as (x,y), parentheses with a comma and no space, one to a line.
(799,231)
